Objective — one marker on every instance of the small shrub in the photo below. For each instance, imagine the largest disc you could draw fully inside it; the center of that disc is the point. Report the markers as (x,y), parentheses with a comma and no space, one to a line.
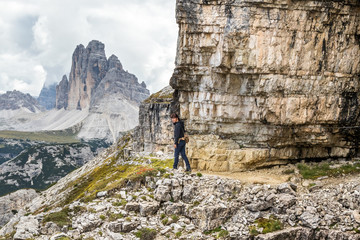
(78,209)
(199,174)
(165,221)
(91,210)
(102,217)
(223,234)
(143,198)
(128,219)
(215,230)
(175,218)
(269,225)
(60,218)
(178,234)
(162,216)
(253,231)
(114,216)
(121,203)
(146,234)
(196,203)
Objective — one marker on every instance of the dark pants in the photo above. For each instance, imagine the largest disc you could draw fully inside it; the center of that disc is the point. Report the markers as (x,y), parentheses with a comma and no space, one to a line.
(180,149)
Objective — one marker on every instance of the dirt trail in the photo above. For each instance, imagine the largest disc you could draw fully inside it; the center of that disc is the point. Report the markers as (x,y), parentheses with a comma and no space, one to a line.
(272,176)
(280,174)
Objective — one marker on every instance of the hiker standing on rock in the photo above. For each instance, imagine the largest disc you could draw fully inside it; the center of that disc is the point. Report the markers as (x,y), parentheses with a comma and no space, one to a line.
(179,141)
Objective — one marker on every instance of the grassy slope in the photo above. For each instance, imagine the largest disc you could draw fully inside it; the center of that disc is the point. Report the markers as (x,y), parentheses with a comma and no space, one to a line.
(65,136)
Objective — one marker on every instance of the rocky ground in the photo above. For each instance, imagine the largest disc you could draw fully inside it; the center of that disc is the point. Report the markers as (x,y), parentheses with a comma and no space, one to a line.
(171,204)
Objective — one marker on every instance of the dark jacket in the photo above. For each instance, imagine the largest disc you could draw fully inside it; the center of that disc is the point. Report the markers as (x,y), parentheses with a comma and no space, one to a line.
(179,131)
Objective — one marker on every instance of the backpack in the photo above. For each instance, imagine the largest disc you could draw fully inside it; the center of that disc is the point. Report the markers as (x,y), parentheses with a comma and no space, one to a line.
(186,137)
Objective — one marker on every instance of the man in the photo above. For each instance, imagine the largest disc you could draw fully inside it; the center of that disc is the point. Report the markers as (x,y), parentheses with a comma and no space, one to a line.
(179,141)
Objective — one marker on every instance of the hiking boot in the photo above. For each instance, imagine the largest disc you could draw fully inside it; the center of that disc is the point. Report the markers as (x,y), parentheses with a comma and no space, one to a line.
(188,170)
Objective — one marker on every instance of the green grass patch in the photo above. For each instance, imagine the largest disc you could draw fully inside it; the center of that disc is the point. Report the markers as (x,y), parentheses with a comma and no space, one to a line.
(65,136)
(324,169)
(270,224)
(114,216)
(158,163)
(215,230)
(175,218)
(178,234)
(146,234)
(222,234)
(120,203)
(157,96)
(60,218)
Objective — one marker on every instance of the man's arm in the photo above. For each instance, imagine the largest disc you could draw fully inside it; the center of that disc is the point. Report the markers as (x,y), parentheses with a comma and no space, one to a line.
(177,133)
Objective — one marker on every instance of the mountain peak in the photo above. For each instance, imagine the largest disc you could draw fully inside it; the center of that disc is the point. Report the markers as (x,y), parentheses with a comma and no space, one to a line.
(114,62)
(12,100)
(92,74)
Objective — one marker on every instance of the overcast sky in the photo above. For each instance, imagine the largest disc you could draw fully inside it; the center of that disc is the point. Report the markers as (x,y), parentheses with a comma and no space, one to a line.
(38,37)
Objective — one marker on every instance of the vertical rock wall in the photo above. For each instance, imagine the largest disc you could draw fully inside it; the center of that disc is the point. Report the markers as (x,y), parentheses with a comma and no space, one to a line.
(62,93)
(263,82)
(155,130)
(89,66)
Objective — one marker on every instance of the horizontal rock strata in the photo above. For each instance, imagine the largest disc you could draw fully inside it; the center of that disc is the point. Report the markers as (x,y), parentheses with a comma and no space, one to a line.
(265,82)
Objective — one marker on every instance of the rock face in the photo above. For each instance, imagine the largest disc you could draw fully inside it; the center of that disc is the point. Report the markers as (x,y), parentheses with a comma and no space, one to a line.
(47,97)
(12,203)
(93,77)
(89,66)
(13,100)
(62,93)
(155,130)
(265,82)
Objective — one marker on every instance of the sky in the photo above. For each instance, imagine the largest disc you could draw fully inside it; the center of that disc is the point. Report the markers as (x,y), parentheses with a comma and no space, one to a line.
(38,38)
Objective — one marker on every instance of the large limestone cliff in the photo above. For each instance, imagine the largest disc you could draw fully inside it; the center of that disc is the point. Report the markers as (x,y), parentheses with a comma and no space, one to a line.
(101,87)
(93,77)
(89,66)
(263,82)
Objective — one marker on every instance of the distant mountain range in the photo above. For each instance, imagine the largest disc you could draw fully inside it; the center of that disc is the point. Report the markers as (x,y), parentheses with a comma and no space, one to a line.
(99,97)
(14,100)
(96,103)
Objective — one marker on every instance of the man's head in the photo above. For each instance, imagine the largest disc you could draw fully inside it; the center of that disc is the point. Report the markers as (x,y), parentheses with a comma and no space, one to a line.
(174,117)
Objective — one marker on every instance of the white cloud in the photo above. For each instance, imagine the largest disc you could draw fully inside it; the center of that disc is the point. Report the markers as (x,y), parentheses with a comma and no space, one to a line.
(142,33)
(41,34)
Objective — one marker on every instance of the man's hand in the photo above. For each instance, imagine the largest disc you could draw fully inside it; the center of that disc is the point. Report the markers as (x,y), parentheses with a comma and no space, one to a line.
(174,145)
